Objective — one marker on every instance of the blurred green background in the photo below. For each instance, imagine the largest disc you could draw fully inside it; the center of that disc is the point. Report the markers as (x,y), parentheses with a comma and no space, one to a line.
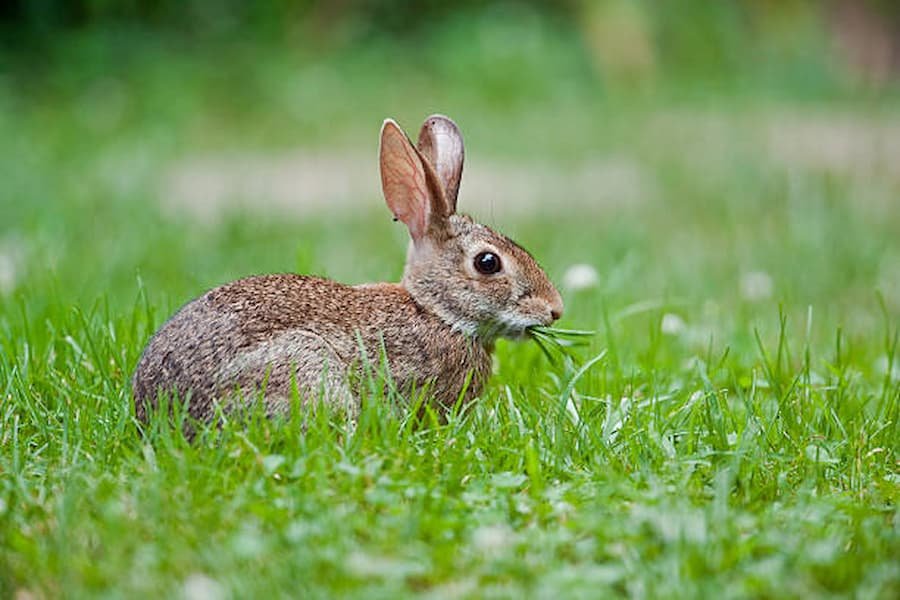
(683,146)
(678,148)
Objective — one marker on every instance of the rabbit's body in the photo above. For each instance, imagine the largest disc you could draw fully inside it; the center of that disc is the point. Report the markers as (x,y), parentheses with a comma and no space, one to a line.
(275,331)
(464,286)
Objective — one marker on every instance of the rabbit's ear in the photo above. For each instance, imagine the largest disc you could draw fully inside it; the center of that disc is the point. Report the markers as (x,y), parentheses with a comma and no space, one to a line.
(441,143)
(411,187)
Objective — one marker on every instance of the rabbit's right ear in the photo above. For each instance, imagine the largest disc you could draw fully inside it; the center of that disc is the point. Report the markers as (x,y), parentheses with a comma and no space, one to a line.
(411,188)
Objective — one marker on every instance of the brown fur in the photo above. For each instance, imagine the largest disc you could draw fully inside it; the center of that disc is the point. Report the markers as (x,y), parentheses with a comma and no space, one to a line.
(435,329)
(191,351)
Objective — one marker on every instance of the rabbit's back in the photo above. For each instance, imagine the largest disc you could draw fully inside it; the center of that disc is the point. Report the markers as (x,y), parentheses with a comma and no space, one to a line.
(273,332)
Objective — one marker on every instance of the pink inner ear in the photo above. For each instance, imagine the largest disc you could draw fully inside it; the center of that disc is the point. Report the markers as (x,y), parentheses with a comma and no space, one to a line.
(403,180)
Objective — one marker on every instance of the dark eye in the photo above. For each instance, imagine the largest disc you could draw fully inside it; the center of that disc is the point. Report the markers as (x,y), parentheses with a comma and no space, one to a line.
(487,263)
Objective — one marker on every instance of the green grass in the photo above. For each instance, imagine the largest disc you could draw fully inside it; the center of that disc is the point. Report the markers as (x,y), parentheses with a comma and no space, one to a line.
(747,448)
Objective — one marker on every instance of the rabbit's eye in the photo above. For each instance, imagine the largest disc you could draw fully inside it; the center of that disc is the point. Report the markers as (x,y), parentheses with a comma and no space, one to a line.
(487,263)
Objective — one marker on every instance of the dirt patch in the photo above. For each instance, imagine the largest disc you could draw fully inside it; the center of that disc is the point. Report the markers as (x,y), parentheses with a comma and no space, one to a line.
(305,183)
(843,144)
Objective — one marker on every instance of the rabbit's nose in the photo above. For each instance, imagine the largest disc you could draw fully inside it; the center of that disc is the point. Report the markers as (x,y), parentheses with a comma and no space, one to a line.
(556,306)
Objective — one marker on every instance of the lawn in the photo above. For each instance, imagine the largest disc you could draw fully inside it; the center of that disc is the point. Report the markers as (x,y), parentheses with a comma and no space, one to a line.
(731,429)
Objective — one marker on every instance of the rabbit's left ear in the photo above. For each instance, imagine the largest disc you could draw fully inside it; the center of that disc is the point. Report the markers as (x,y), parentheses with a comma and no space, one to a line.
(441,143)
(411,187)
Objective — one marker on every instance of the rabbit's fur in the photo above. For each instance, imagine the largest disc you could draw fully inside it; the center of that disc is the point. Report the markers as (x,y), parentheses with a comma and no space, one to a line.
(273,334)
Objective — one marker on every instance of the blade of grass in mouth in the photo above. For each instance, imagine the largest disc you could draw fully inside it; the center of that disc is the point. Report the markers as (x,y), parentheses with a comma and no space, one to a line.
(555,342)
(553,331)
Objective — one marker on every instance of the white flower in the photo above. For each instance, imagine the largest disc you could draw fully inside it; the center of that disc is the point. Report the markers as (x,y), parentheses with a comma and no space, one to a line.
(881,365)
(8,274)
(492,539)
(10,263)
(201,587)
(580,277)
(672,324)
(756,285)
(366,565)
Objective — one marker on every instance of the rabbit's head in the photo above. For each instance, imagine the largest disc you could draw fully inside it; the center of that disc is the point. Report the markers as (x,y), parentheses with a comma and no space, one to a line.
(477,280)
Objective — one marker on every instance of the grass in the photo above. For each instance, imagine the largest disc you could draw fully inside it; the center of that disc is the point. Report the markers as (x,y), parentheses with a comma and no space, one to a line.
(731,429)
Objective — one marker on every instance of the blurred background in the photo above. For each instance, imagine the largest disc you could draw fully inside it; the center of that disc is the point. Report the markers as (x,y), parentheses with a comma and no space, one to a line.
(711,159)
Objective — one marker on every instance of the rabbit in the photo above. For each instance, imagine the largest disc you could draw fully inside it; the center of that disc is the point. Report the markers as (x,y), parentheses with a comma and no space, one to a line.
(270,337)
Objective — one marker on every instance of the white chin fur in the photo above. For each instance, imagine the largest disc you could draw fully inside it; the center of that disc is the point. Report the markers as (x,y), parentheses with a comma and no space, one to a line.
(513,326)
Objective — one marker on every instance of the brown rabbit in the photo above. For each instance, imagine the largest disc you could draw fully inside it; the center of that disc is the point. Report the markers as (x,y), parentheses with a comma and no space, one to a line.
(464,286)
